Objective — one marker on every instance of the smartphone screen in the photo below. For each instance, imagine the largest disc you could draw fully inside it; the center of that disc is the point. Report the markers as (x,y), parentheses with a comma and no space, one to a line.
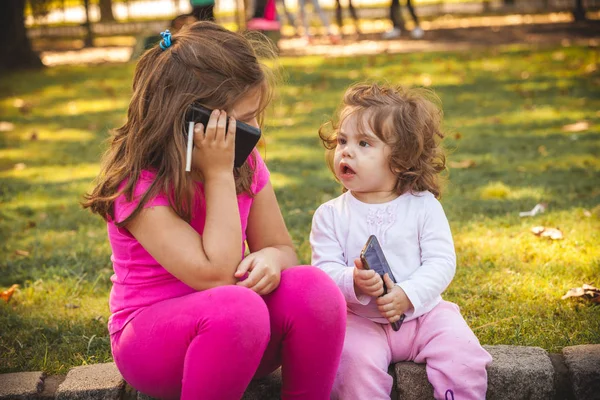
(373,258)
(246,136)
(373,255)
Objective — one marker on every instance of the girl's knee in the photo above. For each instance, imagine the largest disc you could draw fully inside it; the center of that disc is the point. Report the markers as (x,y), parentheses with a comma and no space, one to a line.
(238,309)
(308,278)
(314,288)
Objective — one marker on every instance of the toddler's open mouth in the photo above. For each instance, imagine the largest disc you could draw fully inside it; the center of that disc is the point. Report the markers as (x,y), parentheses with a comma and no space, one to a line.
(346,170)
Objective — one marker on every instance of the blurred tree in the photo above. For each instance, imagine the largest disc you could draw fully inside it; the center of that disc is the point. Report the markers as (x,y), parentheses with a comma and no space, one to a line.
(106,11)
(16,51)
(579,11)
(88,41)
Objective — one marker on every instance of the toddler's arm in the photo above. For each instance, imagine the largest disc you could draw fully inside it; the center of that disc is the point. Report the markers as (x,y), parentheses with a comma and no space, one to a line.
(328,254)
(438,257)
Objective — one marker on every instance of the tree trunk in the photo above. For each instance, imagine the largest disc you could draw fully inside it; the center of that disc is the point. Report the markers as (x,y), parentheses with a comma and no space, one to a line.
(106,11)
(579,11)
(16,51)
(88,41)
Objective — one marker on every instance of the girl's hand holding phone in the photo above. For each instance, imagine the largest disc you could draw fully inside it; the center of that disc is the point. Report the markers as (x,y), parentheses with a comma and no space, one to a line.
(394,303)
(262,269)
(213,151)
(366,282)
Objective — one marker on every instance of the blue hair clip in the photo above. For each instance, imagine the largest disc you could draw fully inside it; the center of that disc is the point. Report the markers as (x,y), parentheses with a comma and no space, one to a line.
(166,40)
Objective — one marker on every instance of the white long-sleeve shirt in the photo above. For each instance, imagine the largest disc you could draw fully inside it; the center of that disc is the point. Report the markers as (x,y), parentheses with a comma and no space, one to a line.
(415,237)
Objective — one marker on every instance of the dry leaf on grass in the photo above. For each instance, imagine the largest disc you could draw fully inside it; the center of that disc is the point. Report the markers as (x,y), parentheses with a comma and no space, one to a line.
(552,233)
(7,294)
(464,164)
(586,291)
(23,253)
(576,127)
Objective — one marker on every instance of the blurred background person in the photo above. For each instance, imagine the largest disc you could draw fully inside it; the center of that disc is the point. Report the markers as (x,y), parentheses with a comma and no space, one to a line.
(203,10)
(333,38)
(339,18)
(398,21)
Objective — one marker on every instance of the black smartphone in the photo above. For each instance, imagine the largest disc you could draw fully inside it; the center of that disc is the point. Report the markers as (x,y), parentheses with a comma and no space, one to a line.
(372,257)
(246,136)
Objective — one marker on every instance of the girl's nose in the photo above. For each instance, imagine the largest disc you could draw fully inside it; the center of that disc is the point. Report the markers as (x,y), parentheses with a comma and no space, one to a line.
(347,151)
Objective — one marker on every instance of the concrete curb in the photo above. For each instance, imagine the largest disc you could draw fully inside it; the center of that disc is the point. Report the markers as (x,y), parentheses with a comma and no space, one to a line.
(517,373)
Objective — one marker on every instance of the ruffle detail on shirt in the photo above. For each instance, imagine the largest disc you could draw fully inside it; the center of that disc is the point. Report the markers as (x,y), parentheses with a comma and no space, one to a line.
(380,219)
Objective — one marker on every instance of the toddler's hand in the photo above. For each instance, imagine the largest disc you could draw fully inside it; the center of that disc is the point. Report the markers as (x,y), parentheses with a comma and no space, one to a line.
(366,282)
(264,272)
(394,303)
(213,151)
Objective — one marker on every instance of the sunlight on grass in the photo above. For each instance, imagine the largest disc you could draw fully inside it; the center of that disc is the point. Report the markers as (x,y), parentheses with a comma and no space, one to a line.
(505,110)
(498,190)
(54,174)
(280,181)
(75,107)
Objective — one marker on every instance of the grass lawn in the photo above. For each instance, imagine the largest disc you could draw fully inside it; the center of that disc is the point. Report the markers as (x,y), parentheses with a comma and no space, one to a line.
(505,113)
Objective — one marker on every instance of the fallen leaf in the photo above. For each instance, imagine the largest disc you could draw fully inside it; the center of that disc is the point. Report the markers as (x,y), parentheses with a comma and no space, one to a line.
(6,126)
(7,294)
(586,213)
(591,68)
(552,233)
(457,136)
(33,136)
(464,164)
(537,230)
(23,253)
(586,291)
(71,306)
(20,166)
(577,127)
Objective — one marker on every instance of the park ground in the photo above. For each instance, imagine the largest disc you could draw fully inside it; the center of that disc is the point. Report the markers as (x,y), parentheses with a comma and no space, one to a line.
(522,126)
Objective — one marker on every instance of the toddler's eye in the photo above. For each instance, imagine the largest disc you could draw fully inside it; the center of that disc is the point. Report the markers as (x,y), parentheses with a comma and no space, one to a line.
(362,143)
(341,140)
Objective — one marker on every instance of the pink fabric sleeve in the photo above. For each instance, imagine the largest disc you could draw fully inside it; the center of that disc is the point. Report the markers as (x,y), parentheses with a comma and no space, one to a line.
(261,173)
(124,208)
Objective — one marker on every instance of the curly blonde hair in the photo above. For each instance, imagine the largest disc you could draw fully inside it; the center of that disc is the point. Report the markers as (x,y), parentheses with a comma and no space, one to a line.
(408,120)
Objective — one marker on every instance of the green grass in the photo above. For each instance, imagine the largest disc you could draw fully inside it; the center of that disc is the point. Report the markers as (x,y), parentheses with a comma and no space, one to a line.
(505,109)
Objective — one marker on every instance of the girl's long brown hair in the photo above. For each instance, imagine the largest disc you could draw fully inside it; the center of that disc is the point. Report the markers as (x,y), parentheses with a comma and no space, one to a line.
(409,120)
(206,64)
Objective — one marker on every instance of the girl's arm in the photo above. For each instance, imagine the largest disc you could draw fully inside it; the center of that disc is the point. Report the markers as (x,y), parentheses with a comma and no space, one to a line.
(201,262)
(328,255)
(438,258)
(207,261)
(266,229)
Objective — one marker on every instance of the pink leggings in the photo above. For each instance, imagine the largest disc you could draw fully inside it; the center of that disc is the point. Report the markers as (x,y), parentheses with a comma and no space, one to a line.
(211,344)
(456,362)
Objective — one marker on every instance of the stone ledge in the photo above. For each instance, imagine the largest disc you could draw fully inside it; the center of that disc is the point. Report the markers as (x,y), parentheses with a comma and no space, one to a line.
(517,372)
(21,385)
(92,382)
(583,362)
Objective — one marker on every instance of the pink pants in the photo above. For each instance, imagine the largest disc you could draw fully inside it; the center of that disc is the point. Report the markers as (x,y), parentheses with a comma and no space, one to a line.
(211,344)
(456,363)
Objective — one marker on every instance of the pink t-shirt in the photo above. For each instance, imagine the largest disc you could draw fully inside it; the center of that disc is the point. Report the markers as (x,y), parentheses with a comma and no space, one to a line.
(139,280)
